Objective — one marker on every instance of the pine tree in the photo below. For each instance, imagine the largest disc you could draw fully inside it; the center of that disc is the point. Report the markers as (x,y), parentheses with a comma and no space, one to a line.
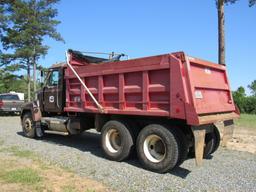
(3,19)
(29,22)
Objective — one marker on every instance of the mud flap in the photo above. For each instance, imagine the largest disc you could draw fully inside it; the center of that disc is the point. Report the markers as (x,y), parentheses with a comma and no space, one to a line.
(199,139)
(39,131)
(227,132)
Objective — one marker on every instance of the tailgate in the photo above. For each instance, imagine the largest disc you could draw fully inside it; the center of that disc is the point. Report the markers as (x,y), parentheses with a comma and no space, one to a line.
(209,91)
(12,105)
(209,83)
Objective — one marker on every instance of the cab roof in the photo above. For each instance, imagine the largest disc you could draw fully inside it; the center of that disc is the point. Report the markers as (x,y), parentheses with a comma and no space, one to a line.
(58,65)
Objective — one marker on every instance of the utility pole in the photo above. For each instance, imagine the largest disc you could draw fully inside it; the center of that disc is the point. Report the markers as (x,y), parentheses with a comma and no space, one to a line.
(221,31)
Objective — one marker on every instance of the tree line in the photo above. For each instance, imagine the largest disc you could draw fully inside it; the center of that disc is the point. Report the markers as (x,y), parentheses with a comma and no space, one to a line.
(23,26)
(246,104)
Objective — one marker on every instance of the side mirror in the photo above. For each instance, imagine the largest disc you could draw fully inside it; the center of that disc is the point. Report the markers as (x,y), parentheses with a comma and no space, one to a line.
(42,73)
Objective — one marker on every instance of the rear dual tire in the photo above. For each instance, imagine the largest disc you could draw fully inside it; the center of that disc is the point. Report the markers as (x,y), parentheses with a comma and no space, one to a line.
(212,142)
(117,140)
(158,148)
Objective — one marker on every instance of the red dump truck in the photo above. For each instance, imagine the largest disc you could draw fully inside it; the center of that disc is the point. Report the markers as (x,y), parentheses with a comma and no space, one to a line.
(164,107)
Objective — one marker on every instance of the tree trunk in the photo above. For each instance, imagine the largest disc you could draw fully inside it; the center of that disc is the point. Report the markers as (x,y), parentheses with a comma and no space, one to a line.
(34,79)
(221,31)
(28,83)
(34,74)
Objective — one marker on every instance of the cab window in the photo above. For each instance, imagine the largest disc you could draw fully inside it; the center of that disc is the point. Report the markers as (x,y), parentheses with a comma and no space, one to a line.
(9,97)
(53,78)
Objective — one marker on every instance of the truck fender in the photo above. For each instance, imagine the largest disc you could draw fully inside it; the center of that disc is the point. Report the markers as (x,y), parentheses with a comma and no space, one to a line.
(34,109)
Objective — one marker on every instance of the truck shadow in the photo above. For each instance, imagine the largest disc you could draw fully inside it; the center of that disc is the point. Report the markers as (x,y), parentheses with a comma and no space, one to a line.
(90,142)
(9,114)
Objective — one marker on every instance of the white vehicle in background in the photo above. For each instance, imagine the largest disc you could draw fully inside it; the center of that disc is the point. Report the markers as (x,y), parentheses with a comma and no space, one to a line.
(20,95)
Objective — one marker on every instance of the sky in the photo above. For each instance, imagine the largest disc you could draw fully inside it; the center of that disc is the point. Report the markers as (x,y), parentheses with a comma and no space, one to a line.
(149,27)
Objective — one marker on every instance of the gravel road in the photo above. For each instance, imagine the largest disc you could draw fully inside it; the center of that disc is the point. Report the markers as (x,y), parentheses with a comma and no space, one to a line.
(226,171)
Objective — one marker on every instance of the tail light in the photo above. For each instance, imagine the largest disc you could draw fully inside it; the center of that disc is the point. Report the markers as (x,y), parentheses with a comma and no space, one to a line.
(1,103)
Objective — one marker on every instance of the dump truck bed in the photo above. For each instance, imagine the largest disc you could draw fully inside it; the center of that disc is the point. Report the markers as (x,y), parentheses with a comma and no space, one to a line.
(171,85)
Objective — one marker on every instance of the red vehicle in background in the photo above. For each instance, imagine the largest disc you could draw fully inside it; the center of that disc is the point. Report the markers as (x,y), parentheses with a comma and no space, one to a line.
(10,103)
(163,106)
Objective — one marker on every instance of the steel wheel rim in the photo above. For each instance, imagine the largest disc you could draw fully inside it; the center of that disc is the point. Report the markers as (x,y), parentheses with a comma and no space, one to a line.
(154,148)
(27,125)
(113,140)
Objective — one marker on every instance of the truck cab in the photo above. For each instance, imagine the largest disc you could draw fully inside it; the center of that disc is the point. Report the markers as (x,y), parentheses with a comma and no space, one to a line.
(52,95)
(46,113)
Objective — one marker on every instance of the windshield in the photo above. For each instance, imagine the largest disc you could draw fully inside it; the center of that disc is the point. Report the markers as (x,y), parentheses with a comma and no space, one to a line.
(9,97)
(52,78)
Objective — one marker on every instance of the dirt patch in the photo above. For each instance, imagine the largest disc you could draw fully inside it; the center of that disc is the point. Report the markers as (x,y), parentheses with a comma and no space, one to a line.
(10,187)
(52,178)
(244,139)
(66,181)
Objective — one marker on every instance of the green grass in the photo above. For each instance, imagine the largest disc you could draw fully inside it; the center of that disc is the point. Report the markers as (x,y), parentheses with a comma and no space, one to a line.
(19,152)
(1,142)
(24,176)
(89,190)
(68,188)
(246,120)
(22,170)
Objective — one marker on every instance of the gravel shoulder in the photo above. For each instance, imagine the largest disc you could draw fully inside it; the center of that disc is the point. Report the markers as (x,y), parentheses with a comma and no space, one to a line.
(227,170)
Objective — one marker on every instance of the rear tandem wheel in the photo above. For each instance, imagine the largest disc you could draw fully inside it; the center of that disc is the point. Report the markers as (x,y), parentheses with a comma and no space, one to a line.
(212,142)
(157,148)
(117,140)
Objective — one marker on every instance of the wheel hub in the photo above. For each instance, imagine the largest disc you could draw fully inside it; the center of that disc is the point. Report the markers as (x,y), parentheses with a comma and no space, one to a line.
(28,125)
(154,148)
(113,140)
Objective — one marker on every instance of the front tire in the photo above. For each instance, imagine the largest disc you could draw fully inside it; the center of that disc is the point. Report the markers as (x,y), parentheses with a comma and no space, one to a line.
(157,148)
(28,126)
(116,140)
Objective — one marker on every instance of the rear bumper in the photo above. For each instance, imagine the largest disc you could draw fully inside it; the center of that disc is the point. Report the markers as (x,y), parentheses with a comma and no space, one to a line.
(207,119)
(8,110)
